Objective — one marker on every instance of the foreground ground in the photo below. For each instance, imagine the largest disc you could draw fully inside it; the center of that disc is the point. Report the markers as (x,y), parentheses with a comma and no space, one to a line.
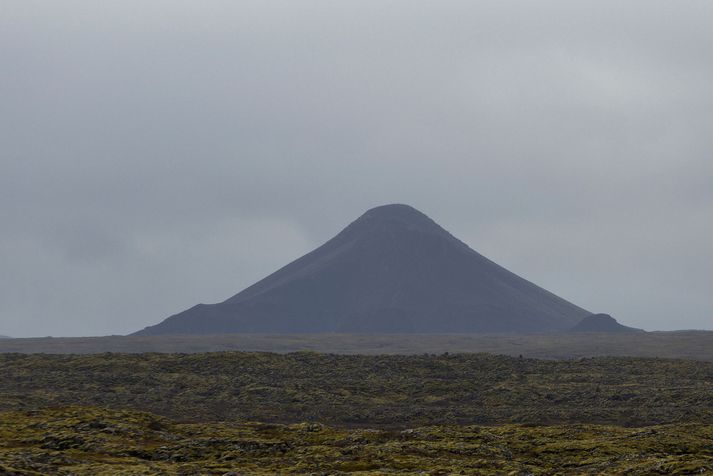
(325,414)
(679,345)
(92,441)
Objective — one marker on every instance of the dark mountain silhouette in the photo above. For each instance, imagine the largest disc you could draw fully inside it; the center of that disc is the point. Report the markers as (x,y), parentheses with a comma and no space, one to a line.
(392,270)
(602,323)
(5,337)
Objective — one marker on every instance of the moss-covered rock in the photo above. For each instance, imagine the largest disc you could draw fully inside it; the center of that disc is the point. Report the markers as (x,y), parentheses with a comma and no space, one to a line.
(93,441)
(368,391)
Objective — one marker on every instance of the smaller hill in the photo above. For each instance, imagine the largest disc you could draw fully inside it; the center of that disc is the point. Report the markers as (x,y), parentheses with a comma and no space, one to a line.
(602,323)
(5,337)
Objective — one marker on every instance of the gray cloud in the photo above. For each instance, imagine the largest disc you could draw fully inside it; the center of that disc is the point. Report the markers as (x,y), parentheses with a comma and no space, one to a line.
(159,154)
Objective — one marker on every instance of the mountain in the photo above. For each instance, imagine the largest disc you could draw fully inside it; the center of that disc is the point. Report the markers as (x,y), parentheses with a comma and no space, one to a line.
(5,337)
(392,270)
(602,323)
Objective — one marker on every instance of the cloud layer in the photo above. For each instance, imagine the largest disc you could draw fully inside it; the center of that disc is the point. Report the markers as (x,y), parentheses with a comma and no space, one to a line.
(159,154)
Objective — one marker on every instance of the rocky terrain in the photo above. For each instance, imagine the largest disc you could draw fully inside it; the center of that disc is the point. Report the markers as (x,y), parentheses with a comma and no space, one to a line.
(94,441)
(244,413)
(394,392)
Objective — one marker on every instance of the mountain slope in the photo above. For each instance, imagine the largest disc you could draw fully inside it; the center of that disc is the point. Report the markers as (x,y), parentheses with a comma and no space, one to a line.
(392,270)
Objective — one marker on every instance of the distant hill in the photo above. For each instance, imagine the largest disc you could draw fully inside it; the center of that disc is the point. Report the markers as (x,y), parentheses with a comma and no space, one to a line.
(5,337)
(602,323)
(392,270)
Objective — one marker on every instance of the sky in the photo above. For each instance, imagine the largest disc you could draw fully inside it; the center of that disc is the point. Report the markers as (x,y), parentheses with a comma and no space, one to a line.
(158,154)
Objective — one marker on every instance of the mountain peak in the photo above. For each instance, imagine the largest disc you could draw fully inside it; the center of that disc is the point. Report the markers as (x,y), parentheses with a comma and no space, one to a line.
(393,217)
(396,213)
(394,210)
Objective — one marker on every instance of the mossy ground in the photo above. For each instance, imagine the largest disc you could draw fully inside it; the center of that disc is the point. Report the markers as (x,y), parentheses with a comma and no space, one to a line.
(93,441)
(426,414)
(366,391)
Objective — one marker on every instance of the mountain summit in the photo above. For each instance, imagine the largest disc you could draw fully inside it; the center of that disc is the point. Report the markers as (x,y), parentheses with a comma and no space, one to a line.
(392,270)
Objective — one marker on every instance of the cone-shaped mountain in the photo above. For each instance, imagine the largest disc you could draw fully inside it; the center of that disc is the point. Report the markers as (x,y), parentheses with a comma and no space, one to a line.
(392,270)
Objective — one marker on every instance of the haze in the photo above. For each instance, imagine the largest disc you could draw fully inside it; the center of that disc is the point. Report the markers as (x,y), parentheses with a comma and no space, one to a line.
(154,155)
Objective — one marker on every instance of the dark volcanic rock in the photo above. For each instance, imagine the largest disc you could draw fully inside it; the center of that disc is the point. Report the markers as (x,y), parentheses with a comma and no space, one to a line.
(392,270)
(601,323)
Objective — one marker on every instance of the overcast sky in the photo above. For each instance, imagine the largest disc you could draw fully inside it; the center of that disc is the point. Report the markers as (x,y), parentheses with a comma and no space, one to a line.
(158,154)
